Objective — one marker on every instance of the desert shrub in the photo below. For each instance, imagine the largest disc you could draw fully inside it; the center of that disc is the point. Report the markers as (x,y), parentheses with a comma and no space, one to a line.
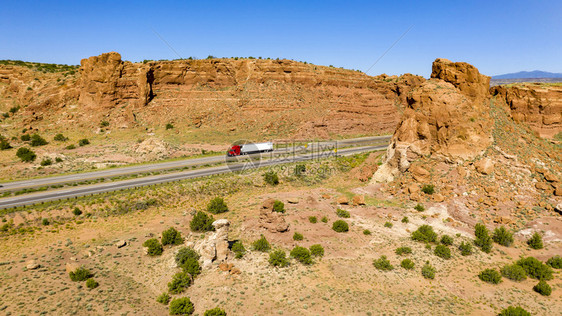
(25,137)
(446,240)
(46,162)
(91,283)
(163,298)
(201,222)
(45,222)
(442,251)
(80,274)
(342,213)
(171,237)
(543,288)
(403,251)
(514,311)
(25,154)
(60,138)
(502,236)
(4,144)
(37,140)
(383,264)
(535,269)
(58,159)
(70,147)
(490,276)
(215,312)
(313,219)
(184,254)
(424,233)
(191,266)
(419,208)
(169,126)
(366,232)
(388,225)
(181,306)
(180,281)
(261,244)
(77,211)
(271,178)
(278,258)
(300,170)
(555,262)
(340,226)
(514,272)
(428,271)
(217,206)
(535,241)
(407,264)
(428,189)
(302,255)
(465,248)
(324,219)
(405,220)
(298,236)
(483,240)
(154,247)
(317,250)
(278,206)
(104,124)
(83,142)
(238,249)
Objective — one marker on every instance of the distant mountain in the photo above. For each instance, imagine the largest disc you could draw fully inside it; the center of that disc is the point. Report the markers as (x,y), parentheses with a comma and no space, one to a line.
(529,74)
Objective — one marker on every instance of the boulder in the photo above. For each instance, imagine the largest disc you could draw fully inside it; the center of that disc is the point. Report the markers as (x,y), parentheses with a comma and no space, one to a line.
(271,220)
(359,200)
(72,266)
(420,174)
(558,190)
(484,166)
(32,265)
(342,199)
(214,248)
(121,244)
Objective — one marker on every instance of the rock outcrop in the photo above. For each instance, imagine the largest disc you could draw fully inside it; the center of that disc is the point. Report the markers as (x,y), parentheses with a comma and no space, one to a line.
(214,248)
(447,116)
(271,220)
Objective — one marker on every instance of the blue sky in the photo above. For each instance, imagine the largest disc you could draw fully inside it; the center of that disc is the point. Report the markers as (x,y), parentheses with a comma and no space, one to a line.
(495,36)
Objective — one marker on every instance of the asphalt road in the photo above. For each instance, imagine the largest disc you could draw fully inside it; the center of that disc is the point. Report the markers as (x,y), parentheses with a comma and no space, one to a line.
(72,192)
(162,166)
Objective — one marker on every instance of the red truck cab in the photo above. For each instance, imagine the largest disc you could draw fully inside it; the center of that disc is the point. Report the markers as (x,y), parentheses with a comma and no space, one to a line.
(234,151)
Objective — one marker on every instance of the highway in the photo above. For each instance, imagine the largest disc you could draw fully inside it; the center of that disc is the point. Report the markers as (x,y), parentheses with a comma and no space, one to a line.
(171,165)
(72,192)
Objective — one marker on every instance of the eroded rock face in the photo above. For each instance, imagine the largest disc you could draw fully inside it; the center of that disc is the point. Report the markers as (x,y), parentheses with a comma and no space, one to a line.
(446,116)
(214,248)
(271,220)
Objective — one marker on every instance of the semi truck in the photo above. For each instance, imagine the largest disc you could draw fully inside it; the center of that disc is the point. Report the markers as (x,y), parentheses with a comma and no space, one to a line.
(251,148)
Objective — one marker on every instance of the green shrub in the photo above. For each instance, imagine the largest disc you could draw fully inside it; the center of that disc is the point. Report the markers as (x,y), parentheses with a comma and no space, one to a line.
(261,244)
(271,178)
(298,236)
(163,298)
(25,137)
(324,219)
(490,276)
(201,222)
(58,159)
(313,219)
(514,311)
(104,124)
(407,264)
(502,236)
(4,144)
(25,154)
(80,274)
(388,225)
(46,162)
(442,251)
(37,140)
(342,213)
(191,266)
(403,251)
(77,211)
(465,248)
(514,272)
(428,271)
(535,269)
(217,206)
(483,240)
(428,189)
(543,288)
(366,232)
(181,306)
(278,258)
(180,281)
(83,142)
(302,255)
(60,138)
(278,206)
(154,247)
(300,170)
(536,241)
(317,250)
(45,222)
(91,283)
(405,220)
(169,126)
(185,254)
(70,147)
(555,262)
(382,264)
(424,233)
(215,312)
(171,237)
(238,249)
(419,208)
(340,226)
(446,240)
